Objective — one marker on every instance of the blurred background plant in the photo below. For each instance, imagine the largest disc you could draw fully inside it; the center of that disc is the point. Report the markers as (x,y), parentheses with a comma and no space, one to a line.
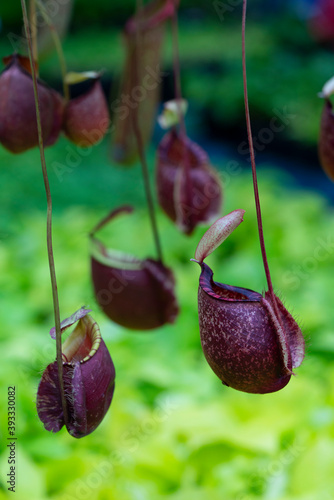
(173,431)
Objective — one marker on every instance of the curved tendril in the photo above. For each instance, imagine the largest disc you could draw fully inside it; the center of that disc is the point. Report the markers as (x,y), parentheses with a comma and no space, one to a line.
(252,156)
(256,189)
(59,49)
(49,218)
(140,145)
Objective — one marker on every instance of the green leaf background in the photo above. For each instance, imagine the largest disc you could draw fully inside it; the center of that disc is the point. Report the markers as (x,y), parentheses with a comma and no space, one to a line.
(173,431)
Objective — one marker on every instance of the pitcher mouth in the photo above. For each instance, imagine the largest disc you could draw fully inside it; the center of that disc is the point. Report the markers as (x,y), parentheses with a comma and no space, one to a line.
(221,291)
(83,342)
(114,258)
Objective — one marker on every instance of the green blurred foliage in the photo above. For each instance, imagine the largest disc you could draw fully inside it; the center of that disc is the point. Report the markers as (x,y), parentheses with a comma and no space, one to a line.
(104,13)
(173,431)
(286,67)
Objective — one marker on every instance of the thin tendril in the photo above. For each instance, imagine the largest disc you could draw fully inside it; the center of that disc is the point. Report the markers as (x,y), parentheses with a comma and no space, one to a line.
(140,145)
(58,46)
(256,189)
(49,219)
(177,71)
(126,208)
(33,24)
(252,156)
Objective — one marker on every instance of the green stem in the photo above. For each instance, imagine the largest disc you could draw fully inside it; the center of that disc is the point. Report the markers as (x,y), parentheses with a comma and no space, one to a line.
(58,46)
(49,218)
